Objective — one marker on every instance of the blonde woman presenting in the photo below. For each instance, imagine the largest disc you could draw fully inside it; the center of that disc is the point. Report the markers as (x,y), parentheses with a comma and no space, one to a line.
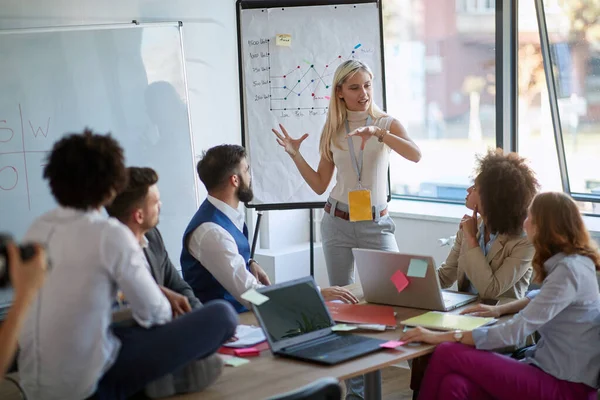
(357,139)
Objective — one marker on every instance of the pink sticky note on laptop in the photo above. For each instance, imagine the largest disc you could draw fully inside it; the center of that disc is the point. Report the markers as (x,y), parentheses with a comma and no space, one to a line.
(392,344)
(399,280)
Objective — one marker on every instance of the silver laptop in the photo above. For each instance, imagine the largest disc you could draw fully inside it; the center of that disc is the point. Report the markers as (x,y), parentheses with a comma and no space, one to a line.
(375,269)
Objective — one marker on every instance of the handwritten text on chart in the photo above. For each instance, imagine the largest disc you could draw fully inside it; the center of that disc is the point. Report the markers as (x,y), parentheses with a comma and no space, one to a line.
(9,174)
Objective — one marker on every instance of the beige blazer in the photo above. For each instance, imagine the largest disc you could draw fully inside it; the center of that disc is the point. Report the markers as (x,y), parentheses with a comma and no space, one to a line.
(505,271)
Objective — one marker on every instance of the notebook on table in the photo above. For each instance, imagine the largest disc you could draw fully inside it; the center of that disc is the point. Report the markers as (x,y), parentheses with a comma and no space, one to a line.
(448,322)
(362,314)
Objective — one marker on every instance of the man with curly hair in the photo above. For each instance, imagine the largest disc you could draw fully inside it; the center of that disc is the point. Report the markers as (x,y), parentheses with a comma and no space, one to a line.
(492,255)
(68,348)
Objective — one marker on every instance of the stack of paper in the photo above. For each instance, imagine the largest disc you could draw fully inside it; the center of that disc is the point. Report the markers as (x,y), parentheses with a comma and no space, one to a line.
(247,335)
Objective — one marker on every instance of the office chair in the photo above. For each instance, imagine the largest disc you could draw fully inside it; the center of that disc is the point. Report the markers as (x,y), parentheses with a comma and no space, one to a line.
(323,389)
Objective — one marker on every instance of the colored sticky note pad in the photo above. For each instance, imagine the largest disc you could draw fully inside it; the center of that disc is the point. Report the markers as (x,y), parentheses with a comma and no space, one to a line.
(342,328)
(254,297)
(417,268)
(359,205)
(392,344)
(399,280)
(235,361)
(283,39)
(247,352)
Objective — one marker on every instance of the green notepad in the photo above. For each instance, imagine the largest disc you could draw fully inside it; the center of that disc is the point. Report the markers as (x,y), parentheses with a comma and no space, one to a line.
(448,322)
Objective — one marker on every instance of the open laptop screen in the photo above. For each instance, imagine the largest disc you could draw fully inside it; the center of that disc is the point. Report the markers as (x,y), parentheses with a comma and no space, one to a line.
(294,308)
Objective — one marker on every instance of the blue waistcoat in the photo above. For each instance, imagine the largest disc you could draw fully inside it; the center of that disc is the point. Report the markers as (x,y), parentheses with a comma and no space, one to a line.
(203,283)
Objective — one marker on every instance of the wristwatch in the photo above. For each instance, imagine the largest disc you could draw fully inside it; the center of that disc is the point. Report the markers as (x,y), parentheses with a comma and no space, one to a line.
(250,261)
(458,335)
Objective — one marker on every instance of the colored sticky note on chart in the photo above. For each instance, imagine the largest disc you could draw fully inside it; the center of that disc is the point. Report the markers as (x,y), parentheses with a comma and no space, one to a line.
(283,39)
(399,280)
(254,297)
(417,268)
(392,344)
(342,328)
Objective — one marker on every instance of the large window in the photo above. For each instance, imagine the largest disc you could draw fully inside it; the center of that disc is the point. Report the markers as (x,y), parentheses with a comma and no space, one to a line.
(476,6)
(573,51)
(440,83)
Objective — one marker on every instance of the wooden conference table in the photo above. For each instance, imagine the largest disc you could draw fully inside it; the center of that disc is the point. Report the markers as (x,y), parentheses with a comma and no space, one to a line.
(267,376)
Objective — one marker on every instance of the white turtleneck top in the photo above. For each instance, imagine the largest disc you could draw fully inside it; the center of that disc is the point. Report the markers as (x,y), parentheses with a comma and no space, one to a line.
(375,161)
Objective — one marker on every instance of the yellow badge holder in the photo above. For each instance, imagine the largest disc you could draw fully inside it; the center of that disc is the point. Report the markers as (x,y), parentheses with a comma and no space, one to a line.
(359,203)
(359,200)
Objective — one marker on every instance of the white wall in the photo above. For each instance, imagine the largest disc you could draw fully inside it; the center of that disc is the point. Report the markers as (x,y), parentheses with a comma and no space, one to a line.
(210,45)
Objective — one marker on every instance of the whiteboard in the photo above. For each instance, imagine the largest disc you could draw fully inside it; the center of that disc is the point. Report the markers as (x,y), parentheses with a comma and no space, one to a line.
(125,79)
(291,85)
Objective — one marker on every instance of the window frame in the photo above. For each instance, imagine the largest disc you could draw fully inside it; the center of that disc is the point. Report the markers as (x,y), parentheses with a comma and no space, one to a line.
(554,110)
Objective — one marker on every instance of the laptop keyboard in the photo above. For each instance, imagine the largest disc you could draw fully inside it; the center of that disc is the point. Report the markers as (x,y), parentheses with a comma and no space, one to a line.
(329,346)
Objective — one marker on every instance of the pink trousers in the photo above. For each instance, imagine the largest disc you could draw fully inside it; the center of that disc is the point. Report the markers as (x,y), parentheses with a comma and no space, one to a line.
(457,371)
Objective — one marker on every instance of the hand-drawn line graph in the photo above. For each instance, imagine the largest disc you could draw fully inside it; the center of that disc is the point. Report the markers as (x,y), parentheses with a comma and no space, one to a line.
(9,174)
(305,86)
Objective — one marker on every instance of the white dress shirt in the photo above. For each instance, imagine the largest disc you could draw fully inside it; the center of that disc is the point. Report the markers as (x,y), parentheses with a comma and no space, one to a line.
(217,251)
(66,342)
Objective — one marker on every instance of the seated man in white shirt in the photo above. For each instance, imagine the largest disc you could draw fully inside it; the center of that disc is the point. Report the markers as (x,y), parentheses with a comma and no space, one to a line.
(68,348)
(215,259)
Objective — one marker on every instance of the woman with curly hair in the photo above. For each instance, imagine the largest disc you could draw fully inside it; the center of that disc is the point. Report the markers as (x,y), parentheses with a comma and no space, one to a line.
(491,256)
(565,363)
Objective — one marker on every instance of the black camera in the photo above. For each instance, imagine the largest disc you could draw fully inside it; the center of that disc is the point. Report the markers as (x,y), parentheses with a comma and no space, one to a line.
(27,251)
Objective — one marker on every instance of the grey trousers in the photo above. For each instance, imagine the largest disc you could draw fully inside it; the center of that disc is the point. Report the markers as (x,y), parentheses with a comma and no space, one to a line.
(339,238)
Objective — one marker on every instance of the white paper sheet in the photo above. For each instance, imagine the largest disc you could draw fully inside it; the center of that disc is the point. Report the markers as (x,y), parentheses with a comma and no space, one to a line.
(248,335)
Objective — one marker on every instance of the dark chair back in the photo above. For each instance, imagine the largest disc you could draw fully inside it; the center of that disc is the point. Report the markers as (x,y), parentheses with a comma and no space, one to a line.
(323,389)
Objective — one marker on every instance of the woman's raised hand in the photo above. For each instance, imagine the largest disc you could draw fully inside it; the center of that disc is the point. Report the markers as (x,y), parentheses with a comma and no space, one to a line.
(365,133)
(291,146)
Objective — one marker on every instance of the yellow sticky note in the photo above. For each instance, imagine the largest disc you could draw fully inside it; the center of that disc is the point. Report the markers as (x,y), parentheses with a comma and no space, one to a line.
(359,203)
(283,39)
(254,297)
(342,328)
(234,361)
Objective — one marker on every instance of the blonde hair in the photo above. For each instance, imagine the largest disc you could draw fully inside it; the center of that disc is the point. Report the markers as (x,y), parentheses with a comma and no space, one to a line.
(336,114)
